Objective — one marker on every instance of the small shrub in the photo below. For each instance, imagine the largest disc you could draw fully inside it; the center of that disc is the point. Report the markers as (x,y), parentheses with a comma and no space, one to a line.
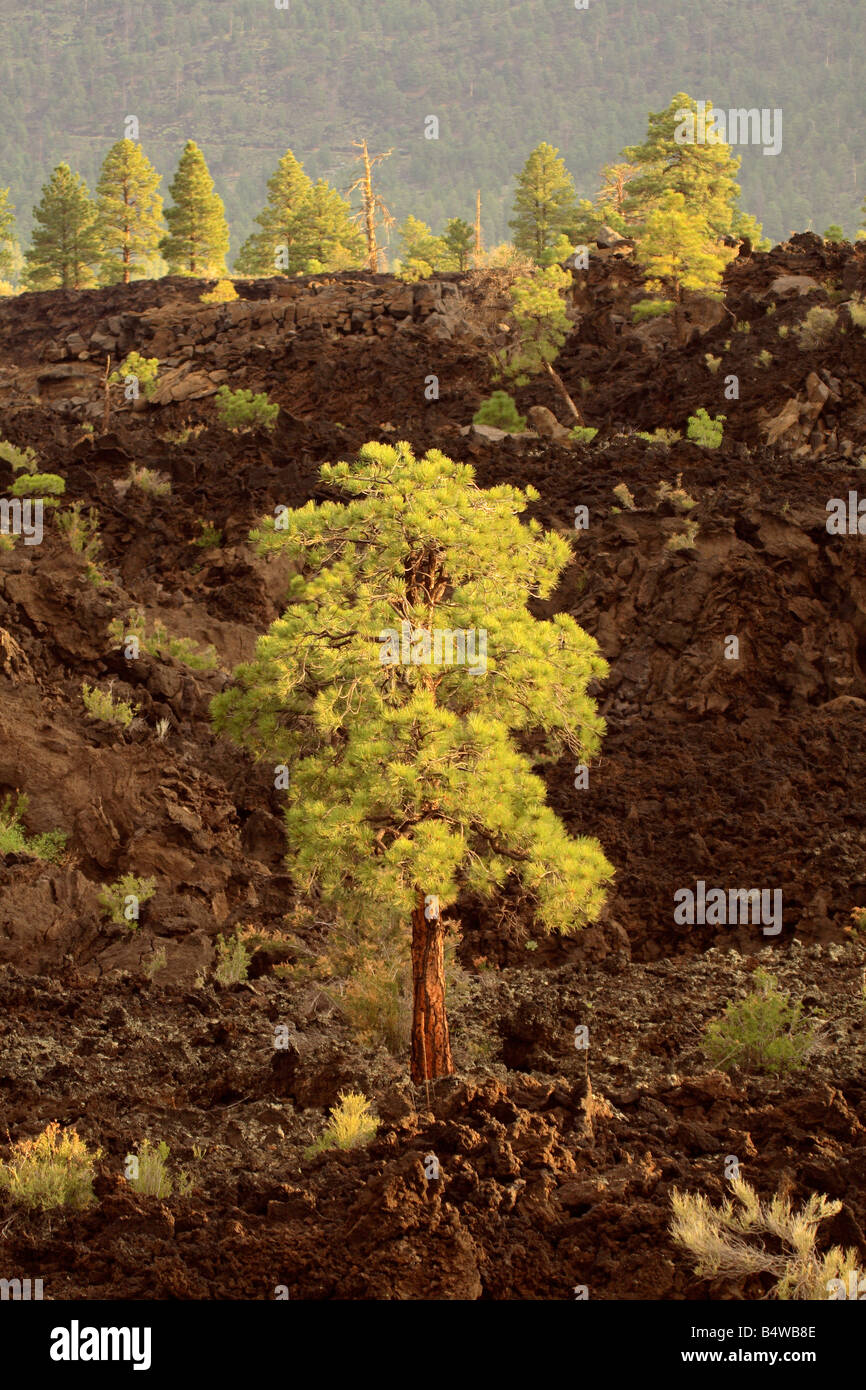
(145,370)
(705,431)
(747,1237)
(233,960)
(223,292)
(771,308)
(352,1124)
(784,330)
(500,411)
(585,385)
(764,359)
(742,326)
(665,437)
(81,530)
(857,311)
(49,846)
(626,498)
(713,363)
(582,434)
(121,900)
(101,704)
(817,327)
(160,644)
(162,728)
(157,962)
(765,1032)
(677,496)
(153,483)
(47,486)
(685,540)
(21,460)
(53,1170)
(650,309)
(210,538)
(150,1166)
(858,919)
(241,410)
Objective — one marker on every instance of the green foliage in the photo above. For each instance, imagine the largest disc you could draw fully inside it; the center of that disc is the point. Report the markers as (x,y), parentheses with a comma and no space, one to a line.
(624,496)
(422,253)
(540,324)
(149,481)
(49,846)
(210,538)
(223,292)
(817,328)
(47,486)
(686,539)
(10,255)
(834,232)
(121,900)
(303,227)
(53,1170)
(500,411)
(129,210)
(544,203)
(674,249)
(583,434)
(701,175)
(145,370)
(241,410)
(18,459)
(409,778)
(66,244)
(650,309)
(101,704)
(159,643)
(459,238)
(660,436)
(352,1124)
(154,1178)
(197,241)
(765,1032)
(81,530)
(706,431)
(233,960)
(676,496)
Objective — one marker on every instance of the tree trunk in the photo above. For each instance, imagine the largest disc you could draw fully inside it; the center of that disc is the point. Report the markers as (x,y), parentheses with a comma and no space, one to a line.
(560,386)
(431,1045)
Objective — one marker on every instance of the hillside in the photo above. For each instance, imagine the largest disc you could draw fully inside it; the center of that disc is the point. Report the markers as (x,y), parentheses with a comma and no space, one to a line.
(558,1165)
(246,81)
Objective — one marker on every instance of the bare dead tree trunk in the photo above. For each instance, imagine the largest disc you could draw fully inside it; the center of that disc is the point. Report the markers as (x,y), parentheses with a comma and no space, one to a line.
(561,388)
(431,1044)
(106,406)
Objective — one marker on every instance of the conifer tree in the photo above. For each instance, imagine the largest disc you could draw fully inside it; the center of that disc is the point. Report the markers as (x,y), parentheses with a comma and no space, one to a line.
(676,250)
(9,252)
(327,237)
(65,242)
(279,246)
(703,171)
(408,779)
(540,326)
(459,237)
(130,212)
(544,204)
(198,236)
(421,253)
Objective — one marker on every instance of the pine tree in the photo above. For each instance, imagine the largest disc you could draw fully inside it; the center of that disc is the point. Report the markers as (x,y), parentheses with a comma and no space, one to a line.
(198,235)
(676,250)
(408,783)
(65,241)
(544,205)
(540,326)
(279,246)
(421,253)
(9,252)
(459,237)
(702,171)
(130,212)
(327,237)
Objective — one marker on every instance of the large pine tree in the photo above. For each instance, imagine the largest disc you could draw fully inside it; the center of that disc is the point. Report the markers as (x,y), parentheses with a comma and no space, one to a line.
(544,204)
(198,236)
(65,242)
(409,779)
(678,252)
(130,212)
(280,245)
(705,173)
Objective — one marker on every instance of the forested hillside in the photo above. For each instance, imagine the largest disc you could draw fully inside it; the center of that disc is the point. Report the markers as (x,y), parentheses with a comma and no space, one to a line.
(246,80)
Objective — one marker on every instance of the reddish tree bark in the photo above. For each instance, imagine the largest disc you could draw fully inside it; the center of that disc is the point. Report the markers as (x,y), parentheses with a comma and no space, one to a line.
(431,1045)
